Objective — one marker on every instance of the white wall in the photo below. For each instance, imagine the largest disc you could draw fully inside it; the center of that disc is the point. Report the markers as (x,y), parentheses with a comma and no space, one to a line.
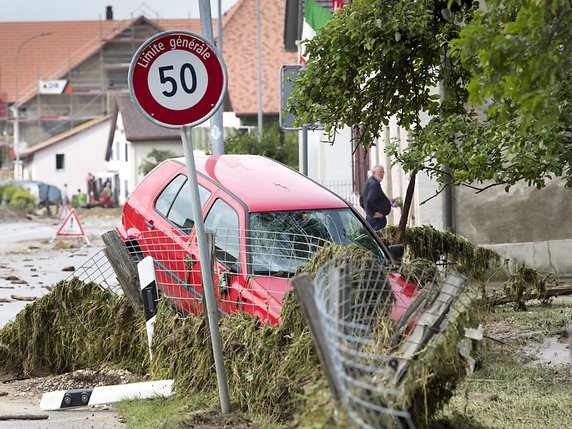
(117,162)
(83,152)
(140,151)
(330,165)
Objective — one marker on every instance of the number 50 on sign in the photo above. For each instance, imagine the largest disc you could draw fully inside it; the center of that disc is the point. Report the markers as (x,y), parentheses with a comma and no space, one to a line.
(177,78)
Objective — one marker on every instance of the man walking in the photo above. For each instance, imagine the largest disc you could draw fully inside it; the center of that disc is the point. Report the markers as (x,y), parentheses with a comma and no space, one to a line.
(375,203)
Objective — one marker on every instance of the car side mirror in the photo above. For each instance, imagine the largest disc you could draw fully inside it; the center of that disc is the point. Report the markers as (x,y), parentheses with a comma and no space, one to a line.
(188,225)
(396,251)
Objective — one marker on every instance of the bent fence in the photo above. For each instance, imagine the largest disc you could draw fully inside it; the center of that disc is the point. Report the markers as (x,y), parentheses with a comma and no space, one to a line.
(369,330)
(252,269)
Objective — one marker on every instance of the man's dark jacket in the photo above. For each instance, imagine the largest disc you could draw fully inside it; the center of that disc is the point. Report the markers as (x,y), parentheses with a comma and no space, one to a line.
(374,200)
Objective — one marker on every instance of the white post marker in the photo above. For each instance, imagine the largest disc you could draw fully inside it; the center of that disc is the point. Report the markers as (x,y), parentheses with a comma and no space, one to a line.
(178,80)
(62,399)
(149,294)
(70,227)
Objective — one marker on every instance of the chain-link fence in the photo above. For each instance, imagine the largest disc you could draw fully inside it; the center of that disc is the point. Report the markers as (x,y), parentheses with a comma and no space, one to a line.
(98,270)
(252,269)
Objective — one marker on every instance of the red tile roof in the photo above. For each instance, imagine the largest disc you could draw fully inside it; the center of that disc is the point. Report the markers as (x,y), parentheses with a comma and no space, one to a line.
(65,45)
(240,54)
(70,43)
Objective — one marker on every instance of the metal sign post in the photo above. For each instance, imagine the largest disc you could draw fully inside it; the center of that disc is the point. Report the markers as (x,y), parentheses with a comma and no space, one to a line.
(288,74)
(178,80)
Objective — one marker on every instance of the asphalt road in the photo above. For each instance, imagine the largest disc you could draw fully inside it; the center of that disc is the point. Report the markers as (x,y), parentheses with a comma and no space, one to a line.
(29,263)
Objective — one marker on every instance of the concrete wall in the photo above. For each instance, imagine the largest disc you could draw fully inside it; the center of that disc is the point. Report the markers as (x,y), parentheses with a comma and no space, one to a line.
(526,225)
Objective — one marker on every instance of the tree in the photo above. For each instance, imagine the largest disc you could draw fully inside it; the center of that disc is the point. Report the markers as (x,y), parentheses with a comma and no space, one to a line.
(154,158)
(378,59)
(518,55)
(281,147)
(505,71)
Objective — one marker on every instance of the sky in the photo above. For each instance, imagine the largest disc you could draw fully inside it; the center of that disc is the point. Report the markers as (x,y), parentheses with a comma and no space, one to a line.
(76,10)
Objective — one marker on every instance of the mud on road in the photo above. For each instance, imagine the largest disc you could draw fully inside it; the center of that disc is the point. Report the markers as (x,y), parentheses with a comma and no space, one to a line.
(30,263)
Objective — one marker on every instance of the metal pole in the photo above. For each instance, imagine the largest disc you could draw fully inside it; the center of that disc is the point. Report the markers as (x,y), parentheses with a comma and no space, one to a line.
(17,169)
(217,129)
(219,25)
(259,72)
(208,283)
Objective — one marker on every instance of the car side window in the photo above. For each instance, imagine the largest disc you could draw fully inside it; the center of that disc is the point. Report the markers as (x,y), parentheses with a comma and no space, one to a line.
(223,219)
(181,212)
(174,202)
(163,203)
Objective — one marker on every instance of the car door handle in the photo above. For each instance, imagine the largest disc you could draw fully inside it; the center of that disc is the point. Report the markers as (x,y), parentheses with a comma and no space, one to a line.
(149,224)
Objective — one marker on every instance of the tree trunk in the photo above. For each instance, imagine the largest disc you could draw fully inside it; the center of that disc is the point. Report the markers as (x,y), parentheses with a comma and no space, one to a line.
(398,238)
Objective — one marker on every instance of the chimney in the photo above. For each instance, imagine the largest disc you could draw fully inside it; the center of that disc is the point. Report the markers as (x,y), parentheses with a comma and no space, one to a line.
(109,13)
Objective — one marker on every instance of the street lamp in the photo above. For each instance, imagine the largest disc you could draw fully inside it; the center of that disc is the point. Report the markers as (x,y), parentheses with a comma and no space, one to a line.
(16,107)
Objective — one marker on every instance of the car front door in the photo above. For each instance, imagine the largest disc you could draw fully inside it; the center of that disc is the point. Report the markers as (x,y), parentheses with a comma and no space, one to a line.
(225,219)
(170,243)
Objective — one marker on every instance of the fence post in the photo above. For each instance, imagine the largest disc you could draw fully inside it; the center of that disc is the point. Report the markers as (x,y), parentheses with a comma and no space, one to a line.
(341,297)
(124,268)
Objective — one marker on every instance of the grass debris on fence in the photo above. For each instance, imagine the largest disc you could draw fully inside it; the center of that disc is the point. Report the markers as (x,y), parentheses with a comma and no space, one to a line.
(429,245)
(434,370)
(266,369)
(271,370)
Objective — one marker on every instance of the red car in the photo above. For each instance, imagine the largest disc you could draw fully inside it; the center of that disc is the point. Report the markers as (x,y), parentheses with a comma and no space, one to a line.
(268,220)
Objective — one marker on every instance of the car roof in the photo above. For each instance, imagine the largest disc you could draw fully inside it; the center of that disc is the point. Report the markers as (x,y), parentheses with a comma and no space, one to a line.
(263,184)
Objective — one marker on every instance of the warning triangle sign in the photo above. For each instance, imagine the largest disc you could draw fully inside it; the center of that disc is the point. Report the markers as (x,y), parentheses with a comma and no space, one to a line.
(71,227)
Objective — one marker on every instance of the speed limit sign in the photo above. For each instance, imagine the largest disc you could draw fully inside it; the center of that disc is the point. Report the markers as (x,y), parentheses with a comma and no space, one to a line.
(177,78)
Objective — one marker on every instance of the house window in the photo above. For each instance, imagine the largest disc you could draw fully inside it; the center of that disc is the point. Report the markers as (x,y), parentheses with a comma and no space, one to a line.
(117,150)
(60,158)
(126,152)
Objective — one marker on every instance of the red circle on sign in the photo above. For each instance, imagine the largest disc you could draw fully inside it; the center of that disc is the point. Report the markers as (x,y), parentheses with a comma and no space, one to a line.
(177,78)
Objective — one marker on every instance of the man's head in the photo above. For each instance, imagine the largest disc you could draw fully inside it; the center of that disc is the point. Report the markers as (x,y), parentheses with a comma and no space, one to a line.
(378,172)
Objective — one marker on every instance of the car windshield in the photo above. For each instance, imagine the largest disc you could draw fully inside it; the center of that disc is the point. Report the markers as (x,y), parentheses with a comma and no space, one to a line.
(280,242)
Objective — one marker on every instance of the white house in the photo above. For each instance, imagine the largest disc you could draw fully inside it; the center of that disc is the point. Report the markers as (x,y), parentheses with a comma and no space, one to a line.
(65,158)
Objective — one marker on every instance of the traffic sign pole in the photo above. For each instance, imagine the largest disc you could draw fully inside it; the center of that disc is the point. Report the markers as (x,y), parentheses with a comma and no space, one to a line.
(178,79)
(208,284)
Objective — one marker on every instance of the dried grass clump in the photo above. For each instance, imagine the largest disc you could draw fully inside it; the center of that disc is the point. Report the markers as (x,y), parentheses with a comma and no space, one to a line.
(425,242)
(75,326)
(266,368)
(434,374)
(527,282)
